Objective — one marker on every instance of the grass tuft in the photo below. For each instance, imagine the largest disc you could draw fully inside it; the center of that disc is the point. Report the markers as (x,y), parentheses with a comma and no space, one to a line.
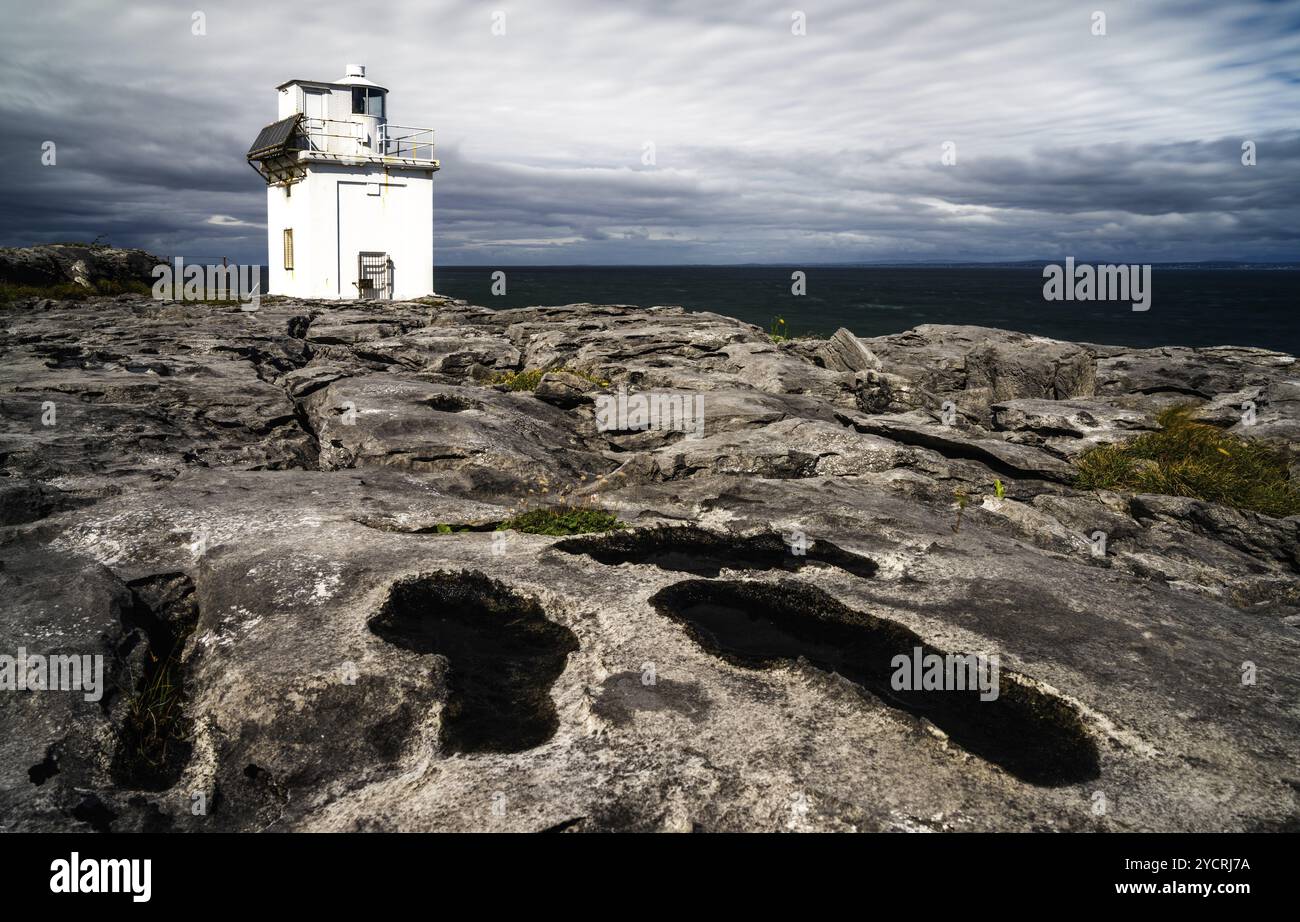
(563,520)
(529,378)
(155,732)
(1189,458)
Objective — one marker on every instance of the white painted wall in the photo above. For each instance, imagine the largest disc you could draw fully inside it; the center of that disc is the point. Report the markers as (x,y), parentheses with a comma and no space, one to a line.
(335,217)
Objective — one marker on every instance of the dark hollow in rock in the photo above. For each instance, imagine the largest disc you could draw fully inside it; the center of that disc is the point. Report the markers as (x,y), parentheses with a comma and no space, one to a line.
(154,738)
(44,770)
(503,654)
(689,549)
(450,403)
(1033,735)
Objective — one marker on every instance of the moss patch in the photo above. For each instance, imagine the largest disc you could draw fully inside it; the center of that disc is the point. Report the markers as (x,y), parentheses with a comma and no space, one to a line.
(1189,458)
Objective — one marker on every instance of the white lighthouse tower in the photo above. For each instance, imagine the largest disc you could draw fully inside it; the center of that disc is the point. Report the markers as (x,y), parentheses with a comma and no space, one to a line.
(349,197)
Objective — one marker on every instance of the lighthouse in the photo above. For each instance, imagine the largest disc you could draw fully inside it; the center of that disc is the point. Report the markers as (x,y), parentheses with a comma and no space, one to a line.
(349,196)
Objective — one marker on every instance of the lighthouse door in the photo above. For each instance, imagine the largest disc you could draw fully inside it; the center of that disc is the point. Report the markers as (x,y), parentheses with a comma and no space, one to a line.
(375,276)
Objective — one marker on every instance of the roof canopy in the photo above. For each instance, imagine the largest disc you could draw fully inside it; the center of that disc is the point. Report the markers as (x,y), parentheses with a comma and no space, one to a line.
(274,138)
(274,153)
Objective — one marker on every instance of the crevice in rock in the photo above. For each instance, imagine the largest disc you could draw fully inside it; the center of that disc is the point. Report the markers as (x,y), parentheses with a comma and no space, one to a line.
(154,732)
(956,450)
(564,825)
(1035,736)
(303,419)
(503,657)
(268,366)
(1172,389)
(690,549)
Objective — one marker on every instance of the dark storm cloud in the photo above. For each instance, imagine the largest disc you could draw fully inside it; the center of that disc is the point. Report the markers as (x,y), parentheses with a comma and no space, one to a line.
(767,146)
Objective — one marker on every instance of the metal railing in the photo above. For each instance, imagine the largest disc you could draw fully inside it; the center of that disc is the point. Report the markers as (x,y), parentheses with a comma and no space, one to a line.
(411,143)
(348,138)
(333,136)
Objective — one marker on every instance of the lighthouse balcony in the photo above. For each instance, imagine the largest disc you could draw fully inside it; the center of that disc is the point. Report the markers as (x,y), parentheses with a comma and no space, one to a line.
(282,147)
(356,139)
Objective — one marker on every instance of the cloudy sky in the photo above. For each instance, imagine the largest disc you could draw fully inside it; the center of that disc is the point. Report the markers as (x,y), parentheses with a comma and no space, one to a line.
(768,146)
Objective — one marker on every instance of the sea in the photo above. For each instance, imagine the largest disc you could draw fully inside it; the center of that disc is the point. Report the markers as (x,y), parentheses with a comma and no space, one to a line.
(1190,306)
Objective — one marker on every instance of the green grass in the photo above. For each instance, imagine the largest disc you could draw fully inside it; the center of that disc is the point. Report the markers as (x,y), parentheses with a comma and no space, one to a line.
(563,520)
(70,291)
(156,732)
(529,378)
(1189,458)
(549,520)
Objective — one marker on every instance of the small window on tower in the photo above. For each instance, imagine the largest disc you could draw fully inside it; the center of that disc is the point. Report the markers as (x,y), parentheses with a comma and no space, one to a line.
(288,248)
(367,101)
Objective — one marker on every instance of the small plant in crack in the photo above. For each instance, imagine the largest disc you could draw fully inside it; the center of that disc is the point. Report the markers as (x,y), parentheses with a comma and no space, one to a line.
(563,520)
(560,512)
(962,499)
(779,332)
(155,732)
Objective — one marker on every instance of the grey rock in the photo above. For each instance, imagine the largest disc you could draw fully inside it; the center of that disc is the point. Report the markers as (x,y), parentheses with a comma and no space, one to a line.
(563,389)
(310,493)
(1073,418)
(845,352)
(1001,456)
(494,441)
(81,264)
(1036,368)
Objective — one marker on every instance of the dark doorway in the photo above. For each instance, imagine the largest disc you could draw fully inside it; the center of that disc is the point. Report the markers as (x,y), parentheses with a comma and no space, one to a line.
(375,276)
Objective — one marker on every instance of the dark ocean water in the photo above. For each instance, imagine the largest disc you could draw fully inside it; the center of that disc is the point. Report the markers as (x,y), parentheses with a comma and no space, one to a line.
(1189,307)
